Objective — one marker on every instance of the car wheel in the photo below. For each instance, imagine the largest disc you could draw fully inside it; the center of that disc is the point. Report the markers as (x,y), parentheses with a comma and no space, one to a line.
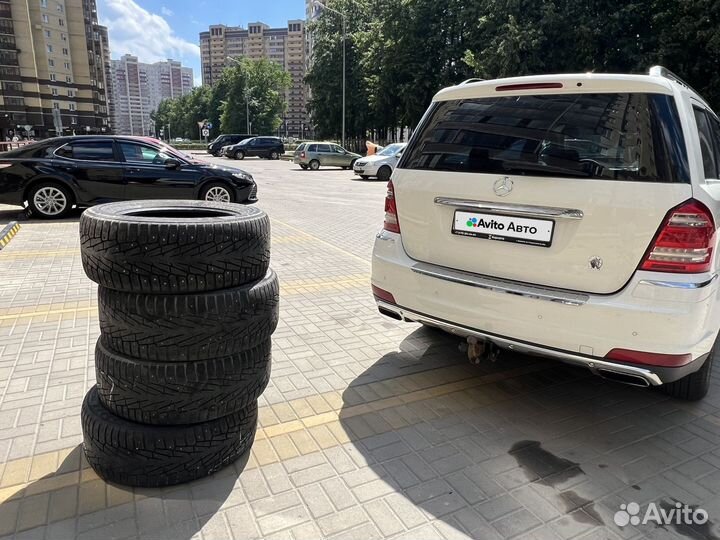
(304,167)
(239,154)
(171,393)
(695,386)
(274,155)
(364,176)
(314,165)
(50,200)
(184,327)
(194,245)
(217,193)
(134,454)
(384,173)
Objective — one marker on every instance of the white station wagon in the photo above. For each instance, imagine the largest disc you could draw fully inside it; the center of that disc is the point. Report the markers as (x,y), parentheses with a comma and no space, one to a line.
(567,216)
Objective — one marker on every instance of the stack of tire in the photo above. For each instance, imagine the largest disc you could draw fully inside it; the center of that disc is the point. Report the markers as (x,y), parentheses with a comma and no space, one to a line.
(187,307)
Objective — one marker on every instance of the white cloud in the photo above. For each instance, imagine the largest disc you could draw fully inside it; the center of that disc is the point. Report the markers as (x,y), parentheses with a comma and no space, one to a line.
(134,30)
(167,11)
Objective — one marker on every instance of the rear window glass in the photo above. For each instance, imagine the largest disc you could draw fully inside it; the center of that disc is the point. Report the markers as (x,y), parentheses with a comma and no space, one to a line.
(621,136)
(88,151)
(707,150)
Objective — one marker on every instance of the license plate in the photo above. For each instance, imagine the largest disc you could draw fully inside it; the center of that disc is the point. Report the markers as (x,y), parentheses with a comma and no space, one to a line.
(535,232)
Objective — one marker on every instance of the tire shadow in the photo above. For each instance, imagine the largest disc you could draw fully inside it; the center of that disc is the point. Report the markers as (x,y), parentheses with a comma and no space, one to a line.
(521,445)
(74,503)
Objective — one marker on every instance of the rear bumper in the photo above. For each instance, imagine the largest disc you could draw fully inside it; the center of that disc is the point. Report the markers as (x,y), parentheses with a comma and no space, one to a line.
(647,315)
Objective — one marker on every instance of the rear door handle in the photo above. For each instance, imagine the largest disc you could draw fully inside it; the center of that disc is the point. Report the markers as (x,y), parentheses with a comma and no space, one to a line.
(134,169)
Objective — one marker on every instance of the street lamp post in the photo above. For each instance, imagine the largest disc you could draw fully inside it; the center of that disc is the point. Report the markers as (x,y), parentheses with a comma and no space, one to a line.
(344,27)
(247,98)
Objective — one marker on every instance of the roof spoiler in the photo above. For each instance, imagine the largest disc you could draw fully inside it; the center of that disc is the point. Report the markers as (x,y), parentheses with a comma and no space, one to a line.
(660,71)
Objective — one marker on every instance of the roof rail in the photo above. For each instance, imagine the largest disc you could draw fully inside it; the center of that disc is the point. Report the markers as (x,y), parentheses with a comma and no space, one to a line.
(474,79)
(660,71)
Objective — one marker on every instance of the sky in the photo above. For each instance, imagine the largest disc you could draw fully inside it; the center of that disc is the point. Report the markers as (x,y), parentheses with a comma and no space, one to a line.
(155,30)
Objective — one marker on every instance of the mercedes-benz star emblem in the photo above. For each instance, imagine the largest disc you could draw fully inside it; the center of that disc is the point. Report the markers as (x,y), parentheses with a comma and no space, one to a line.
(503,186)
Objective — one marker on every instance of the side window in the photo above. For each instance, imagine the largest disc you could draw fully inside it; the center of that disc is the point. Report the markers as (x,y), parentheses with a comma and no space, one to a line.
(338,150)
(707,146)
(312,148)
(324,148)
(88,151)
(715,126)
(138,153)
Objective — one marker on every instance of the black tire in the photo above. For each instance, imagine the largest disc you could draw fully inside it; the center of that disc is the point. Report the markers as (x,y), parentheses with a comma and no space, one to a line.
(695,386)
(214,186)
(140,455)
(304,167)
(384,173)
(314,165)
(239,154)
(274,155)
(364,176)
(173,255)
(164,393)
(185,327)
(61,196)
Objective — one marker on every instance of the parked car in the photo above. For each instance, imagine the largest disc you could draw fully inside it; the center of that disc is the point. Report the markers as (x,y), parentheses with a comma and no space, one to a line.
(264,147)
(217,144)
(313,155)
(380,165)
(569,216)
(53,175)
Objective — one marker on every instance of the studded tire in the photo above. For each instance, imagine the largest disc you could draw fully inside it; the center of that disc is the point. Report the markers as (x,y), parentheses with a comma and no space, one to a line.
(169,393)
(143,455)
(174,247)
(185,327)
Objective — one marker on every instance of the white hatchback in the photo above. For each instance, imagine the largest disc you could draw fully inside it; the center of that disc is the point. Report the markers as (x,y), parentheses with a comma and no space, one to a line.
(568,216)
(382,164)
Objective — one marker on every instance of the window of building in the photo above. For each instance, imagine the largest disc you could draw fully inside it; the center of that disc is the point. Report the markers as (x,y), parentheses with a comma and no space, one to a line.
(67,65)
(54,91)
(71,106)
(61,22)
(56,105)
(65,51)
(60,8)
(63,36)
(51,62)
(53,77)
(48,34)
(71,93)
(43,3)
(68,79)
(49,48)
(45,18)
(73,120)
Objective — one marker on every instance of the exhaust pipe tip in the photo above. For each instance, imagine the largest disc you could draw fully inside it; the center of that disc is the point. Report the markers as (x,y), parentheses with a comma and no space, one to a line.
(624,378)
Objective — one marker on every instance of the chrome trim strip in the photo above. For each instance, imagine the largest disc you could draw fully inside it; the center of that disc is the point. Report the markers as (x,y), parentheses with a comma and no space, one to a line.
(679,284)
(592,364)
(501,285)
(520,210)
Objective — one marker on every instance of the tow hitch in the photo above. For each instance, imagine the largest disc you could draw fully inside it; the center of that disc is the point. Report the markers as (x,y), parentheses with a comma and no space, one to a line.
(479,350)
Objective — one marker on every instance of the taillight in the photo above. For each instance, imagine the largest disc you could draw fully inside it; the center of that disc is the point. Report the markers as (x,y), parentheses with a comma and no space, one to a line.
(302,155)
(648,358)
(391,216)
(684,243)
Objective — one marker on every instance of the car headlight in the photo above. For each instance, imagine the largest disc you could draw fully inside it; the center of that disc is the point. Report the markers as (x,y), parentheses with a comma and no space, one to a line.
(243,176)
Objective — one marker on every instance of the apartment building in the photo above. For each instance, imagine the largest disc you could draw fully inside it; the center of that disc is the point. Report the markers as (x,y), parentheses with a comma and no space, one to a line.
(53,58)
(138,88)
(285,46)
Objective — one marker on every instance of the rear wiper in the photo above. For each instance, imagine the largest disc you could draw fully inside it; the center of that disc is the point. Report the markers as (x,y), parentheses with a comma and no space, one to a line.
(524,166)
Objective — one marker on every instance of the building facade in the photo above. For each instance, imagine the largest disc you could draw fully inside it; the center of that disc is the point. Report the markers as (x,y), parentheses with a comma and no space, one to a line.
(138,89)
(53,59)
(284,46)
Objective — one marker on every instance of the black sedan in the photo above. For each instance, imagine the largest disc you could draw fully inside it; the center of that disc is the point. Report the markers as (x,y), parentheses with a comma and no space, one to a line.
(53,175)
(264,147)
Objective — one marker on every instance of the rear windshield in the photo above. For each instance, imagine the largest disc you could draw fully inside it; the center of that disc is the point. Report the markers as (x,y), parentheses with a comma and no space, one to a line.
(635,137)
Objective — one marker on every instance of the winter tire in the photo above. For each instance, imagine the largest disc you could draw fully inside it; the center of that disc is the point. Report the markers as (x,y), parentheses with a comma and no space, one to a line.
(174,246)
(180,328)
(167,393)
(142,455)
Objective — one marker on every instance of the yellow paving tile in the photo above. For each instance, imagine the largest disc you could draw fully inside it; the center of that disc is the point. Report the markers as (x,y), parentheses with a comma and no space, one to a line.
(284,447)
(263,452)
(284,412)
(304,443)
(302,408)
(323,436)
(43,465)
(16,472)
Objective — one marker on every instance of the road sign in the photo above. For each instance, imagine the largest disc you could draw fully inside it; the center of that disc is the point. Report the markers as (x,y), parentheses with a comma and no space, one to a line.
(205,132)
(27,127)
(209,126)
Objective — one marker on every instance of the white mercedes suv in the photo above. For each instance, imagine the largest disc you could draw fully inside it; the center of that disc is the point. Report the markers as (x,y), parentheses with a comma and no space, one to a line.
(567,216)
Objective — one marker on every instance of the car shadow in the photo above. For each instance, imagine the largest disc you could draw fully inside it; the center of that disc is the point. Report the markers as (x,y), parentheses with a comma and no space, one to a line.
(78,504)
(522,444)
(24,215)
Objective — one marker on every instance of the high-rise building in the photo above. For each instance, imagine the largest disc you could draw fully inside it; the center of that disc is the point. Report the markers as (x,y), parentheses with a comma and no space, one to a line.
(52,68)
(285,46)
(138,89)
